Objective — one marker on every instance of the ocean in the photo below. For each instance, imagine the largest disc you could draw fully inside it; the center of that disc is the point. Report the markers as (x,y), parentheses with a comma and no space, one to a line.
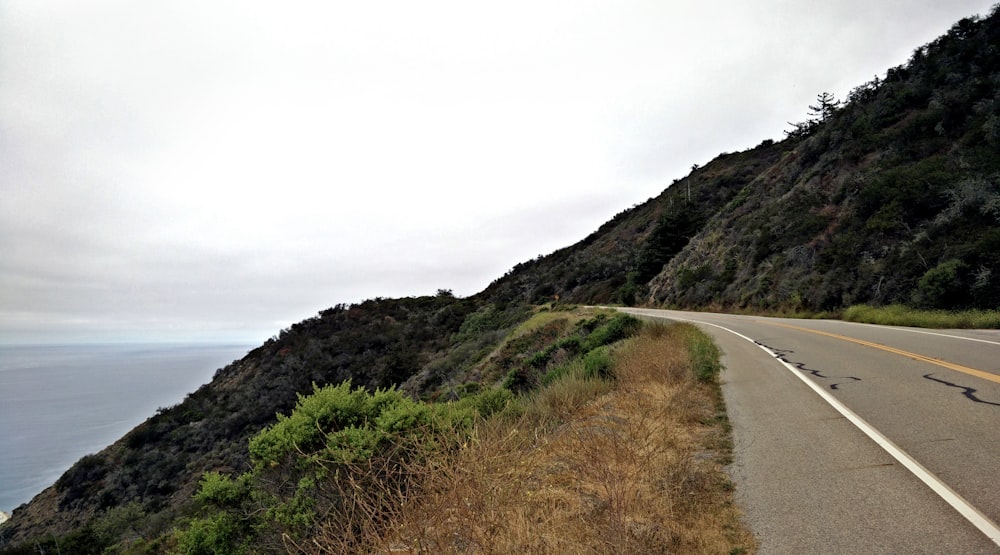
(59,403)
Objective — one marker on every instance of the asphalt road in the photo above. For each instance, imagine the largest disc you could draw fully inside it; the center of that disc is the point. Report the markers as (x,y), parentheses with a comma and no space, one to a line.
(853,438)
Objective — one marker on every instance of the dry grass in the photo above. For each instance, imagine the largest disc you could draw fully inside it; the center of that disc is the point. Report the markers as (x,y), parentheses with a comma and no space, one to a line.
(588,467)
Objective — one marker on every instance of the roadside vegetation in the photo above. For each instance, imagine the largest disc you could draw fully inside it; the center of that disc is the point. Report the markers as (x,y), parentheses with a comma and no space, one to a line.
(600,435)
(894,315)
(899,315)
(630,463)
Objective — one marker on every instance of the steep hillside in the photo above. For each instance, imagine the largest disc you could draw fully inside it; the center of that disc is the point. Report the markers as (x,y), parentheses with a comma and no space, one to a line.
(890,197)
(895,197)
(155,468)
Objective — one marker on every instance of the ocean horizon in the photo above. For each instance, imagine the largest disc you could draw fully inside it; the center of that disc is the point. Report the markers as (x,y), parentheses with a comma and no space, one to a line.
(61,402)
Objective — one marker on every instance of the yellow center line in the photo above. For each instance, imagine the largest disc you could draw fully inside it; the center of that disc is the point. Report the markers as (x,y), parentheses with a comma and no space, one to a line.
(949,365)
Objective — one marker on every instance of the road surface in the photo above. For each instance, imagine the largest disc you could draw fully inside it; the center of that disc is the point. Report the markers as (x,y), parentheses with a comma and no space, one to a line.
(853,438)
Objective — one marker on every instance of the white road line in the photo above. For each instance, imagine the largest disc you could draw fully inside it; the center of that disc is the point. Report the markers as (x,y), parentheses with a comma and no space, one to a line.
(964,508)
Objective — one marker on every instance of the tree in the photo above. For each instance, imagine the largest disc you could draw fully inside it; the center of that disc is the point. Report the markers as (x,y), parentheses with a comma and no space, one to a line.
(826,106)
(673,231)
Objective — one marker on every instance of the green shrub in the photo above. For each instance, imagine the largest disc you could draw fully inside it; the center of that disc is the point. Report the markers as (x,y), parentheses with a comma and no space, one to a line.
(120,521)
(331,434)
(222,490)
(572,345)
(490,402)
(219,534)
(334,416)
(619,327)
(942,286)
(294,513)
(349,445)
(598,364)
(540,359)
(492,318)
(520,380)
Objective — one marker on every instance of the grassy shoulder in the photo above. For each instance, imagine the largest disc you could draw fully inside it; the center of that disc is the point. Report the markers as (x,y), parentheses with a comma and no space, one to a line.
(633,464)
(902,315)
(899,315)
(895,315)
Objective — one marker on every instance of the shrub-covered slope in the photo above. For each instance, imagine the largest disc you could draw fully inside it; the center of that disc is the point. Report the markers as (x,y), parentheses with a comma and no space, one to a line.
(615,263)
(895,197)
(155,468)
(892,196)
(226,440)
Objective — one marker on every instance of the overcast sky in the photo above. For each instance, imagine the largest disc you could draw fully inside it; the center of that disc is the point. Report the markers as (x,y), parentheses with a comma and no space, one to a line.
(219,170)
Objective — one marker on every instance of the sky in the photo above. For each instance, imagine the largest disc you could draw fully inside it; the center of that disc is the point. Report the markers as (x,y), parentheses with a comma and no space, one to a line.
(216,171)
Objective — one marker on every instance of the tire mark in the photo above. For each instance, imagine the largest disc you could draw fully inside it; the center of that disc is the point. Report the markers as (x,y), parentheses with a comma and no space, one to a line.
(782,355)
(968,392)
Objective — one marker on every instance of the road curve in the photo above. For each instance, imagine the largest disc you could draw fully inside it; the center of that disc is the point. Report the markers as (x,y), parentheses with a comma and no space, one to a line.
(811,479)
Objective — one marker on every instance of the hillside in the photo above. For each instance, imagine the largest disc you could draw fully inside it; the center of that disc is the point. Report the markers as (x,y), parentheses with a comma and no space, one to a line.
(892,196)
(617,263)
(155,468)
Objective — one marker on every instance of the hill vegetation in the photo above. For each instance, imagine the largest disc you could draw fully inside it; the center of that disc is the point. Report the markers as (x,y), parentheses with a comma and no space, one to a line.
(156,467)
(889,198)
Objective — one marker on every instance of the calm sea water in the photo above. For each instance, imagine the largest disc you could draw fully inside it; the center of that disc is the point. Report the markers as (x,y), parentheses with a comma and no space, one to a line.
(59,403)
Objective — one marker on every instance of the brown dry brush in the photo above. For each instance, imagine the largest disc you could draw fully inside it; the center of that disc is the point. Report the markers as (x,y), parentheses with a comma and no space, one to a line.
(364,498)
(585,469)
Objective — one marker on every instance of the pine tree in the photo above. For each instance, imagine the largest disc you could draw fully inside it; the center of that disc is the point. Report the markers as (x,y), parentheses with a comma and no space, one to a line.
(826,106)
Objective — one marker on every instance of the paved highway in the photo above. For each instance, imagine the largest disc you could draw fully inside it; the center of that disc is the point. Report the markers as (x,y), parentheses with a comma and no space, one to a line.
(853,438)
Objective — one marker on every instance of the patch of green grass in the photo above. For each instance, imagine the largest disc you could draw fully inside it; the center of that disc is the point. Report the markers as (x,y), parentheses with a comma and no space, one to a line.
(537,321)
(900,315)
(703,351)
(598,364)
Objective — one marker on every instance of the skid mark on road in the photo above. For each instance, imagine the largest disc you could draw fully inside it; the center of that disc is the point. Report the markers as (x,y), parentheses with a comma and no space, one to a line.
(915,356)
(950,496)
(782,355)
(983,523)
(968,392)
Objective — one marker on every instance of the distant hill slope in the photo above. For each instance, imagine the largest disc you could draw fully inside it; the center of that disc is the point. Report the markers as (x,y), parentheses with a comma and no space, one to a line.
(892,197)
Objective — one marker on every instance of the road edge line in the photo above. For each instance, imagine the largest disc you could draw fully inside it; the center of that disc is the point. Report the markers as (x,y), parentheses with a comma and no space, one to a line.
(950,496)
